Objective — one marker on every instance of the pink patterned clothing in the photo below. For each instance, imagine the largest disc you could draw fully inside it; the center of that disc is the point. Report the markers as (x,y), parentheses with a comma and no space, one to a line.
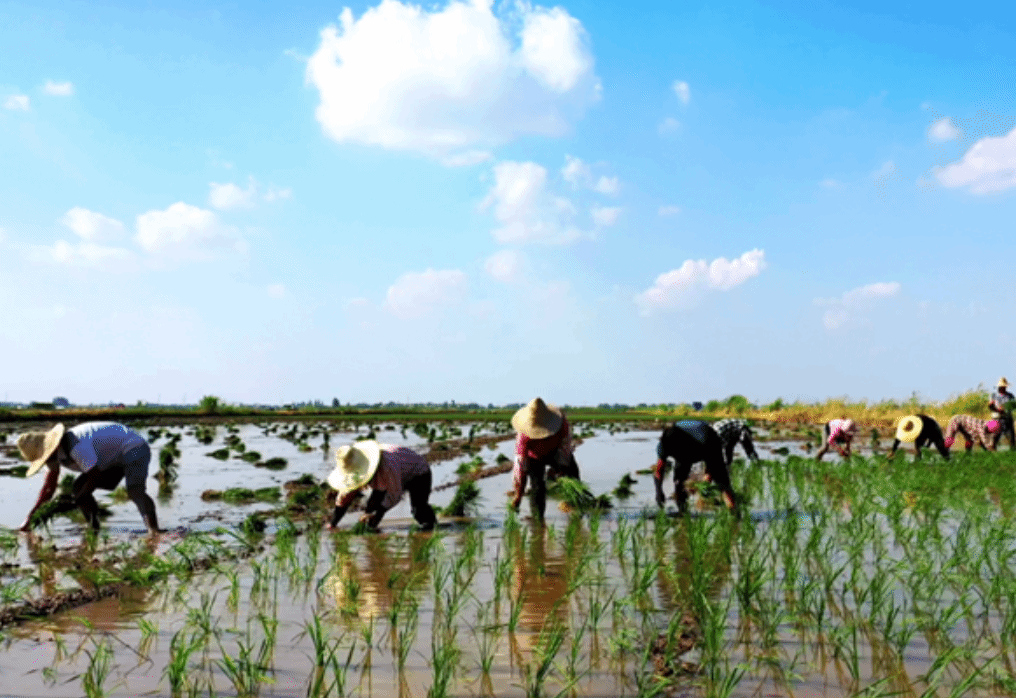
(538,449)
(973,429)
(398,466)
(841,430)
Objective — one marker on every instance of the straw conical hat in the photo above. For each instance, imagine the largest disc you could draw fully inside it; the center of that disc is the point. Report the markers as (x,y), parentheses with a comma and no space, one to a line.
(37,446)
(355,464)
(538,420)
(909,429)
(1003,383)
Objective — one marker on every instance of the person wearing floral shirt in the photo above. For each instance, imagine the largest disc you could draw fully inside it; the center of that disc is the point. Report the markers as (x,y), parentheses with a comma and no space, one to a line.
(974,430)
(838,434)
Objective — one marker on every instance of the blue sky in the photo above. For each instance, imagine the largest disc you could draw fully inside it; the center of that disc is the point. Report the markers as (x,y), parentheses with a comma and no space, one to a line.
(591,202)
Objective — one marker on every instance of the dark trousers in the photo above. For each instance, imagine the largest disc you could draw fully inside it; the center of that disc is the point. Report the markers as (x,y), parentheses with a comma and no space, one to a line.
(419,500)
(1005,424)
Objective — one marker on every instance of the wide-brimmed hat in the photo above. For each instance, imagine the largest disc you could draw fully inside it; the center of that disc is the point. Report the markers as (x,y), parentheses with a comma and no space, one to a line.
(909,429)
(538,420)
(1002,383)
(355,465)
(37,446)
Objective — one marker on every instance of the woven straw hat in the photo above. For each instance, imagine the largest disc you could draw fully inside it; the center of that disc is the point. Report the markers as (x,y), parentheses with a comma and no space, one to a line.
(355,465)
(909,429)
(37,446)
(538,420)
(1002,383)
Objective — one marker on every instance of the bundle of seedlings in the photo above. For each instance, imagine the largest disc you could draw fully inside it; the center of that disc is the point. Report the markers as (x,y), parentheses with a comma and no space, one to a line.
(242,495)
(63,504)
(272,464)
(465,501)
(575,495)
(623,489)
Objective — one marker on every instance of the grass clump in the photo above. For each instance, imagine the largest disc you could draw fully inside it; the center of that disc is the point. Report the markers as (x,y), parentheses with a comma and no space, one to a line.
(273,463)
(242,495)
(221,454)
(251,457)
(624,487)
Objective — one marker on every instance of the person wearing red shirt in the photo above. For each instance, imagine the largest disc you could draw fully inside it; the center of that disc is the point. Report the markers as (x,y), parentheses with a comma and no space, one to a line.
(543,441)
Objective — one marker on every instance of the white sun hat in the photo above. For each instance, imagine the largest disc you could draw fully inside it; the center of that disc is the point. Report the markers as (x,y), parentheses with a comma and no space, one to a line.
(37,446)
(355,465)
(909,429)
(538,420)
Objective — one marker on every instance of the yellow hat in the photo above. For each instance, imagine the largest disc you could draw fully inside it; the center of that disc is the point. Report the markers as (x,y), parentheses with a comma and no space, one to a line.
(355,465)
(909,429)
(1002,383)
(37,446)
(538,420)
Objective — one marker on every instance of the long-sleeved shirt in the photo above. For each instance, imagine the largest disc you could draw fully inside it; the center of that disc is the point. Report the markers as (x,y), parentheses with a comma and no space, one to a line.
(527,449)
(974,429)
(399,465)
(732,432)
(841,430)
(1002,402)
(97,445)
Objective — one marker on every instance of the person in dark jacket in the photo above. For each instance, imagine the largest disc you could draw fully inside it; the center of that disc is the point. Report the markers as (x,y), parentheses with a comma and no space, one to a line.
(733,432)
(688,442)
(920,430)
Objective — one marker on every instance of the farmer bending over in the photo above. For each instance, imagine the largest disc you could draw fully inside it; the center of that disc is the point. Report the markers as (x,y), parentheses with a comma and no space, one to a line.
(389,471)
(984,432)
(543,441)
(920,430)
(689,442)
(1001,405)
(104,453)
(732,432)
(838,434)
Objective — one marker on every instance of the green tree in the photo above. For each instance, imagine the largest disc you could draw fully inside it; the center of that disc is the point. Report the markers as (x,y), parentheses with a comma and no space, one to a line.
(209,404)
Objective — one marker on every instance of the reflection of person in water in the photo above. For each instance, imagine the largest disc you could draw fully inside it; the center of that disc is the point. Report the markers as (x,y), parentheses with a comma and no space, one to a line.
(539,583)
(370,586)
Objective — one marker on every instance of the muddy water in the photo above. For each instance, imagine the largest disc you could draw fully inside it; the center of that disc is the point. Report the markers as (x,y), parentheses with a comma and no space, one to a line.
(490,597)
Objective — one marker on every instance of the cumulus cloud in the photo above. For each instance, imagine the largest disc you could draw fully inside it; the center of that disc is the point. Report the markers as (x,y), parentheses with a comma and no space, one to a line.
(668,210)
(276,290)
(848,309)
(526,208)
(579,175)
(58,89)
(230,197)
(505,265)
(447,81)
(416,294)
(92,226)
(681,286)
(467,158)
(18,103)
(682,90)
(227,197)
(943,130)
(186,231)
(989,166)
(605,216)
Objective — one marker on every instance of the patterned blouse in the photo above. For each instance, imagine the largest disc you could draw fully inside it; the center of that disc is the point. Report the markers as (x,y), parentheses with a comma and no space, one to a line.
(399,465)
(527,448)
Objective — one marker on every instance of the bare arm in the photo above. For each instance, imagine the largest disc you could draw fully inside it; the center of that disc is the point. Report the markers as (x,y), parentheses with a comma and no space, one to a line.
(46,494)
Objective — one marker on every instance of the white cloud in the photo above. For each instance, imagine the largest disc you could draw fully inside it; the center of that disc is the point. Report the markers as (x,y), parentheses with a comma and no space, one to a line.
(82,254)
(526,209)
(943,130)
(989,166)
(668,210)
(445,81)
(18,103)
(668,126)
(467,158)
(276,290)
(580,176)
(505,266)
(421,293)
(604,216)
(829,183)
(58,89)
(92,226)
(230,197)
(682,90)
(683,285)
(185,231)
(848,308)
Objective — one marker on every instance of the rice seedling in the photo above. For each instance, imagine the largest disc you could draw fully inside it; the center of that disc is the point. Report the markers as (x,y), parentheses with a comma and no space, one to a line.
(220,453)
(242,495)
(465,501)
(250,456)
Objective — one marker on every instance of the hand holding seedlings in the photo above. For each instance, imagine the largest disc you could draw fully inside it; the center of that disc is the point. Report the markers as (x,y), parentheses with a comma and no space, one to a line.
(838,433)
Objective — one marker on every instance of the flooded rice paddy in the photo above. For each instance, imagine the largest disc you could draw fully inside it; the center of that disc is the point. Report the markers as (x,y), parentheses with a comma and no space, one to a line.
(838,579)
